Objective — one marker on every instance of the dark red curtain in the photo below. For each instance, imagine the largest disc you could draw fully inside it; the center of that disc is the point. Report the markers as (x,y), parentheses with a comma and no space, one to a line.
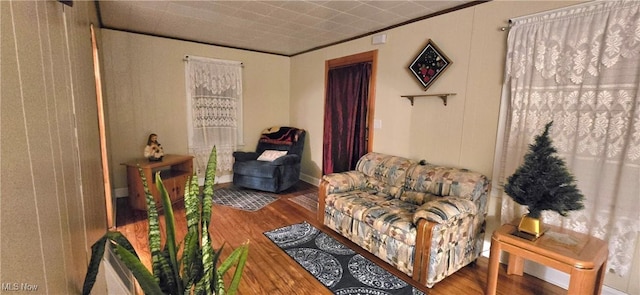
(345,117)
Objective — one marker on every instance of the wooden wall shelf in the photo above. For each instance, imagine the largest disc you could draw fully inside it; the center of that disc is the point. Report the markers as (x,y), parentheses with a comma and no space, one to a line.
(442,96)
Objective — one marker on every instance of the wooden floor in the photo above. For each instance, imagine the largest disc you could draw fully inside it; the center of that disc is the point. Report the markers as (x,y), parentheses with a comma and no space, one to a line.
(270,271)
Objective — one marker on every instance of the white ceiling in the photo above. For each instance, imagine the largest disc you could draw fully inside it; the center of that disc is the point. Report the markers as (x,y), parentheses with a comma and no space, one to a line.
(280,27)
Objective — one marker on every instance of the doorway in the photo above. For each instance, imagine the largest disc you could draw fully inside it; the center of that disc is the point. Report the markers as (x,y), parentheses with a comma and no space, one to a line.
(349,110)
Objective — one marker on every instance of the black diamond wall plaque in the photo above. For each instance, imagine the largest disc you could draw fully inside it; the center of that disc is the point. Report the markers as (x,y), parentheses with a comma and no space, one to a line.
(429,64)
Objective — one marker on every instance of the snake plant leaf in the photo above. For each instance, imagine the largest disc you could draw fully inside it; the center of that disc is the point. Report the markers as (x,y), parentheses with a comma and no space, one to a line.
(191,259)
(208,264)
(145,278)
(162,270)
(154,228)
(209,181)
(197,271)
(191,256)
(192,202)
(221,289)
(97,252)
(233,258)
(216,257)
(121,240)
(165,274)
(239,258)
(170,232)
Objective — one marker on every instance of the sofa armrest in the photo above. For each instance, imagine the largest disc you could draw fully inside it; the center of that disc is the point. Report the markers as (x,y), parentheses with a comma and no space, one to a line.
(344,181)
(450,234)
(445,210)
(245,156)
(338,183)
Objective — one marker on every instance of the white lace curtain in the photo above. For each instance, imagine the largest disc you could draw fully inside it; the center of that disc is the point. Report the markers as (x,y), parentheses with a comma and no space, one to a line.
(214,106)
(580,67)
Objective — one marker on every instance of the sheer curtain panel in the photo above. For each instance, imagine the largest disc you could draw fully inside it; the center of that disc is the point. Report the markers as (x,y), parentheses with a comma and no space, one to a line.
(214,106)
(580,67)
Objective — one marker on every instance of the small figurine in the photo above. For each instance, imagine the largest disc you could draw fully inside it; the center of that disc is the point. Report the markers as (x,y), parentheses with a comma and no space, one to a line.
(153,151)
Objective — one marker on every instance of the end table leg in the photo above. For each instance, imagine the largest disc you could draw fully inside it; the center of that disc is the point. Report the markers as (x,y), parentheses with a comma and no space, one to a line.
(600,278)
(516,265)
(494,263)
(582,281)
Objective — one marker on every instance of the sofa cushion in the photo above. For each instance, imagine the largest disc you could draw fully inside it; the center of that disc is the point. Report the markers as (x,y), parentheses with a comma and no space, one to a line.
(445,181)
(445,210)
(417,198)
(385,214)
(386,173)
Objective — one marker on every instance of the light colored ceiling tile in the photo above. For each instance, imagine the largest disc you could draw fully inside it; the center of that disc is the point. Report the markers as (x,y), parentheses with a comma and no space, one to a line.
(387,18)
(439,5)
(281,27)
(342,5)
(146,19)
(346,31)
(305,20)
(322,12)
(343,18)
(298,6)
(385,5)
(366,25)
(258,7)
(116,12)
(365,11)
(411,10)
(281,13)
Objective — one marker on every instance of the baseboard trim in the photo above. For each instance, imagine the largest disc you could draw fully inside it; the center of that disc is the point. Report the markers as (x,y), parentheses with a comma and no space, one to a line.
(310,179)
(121,192)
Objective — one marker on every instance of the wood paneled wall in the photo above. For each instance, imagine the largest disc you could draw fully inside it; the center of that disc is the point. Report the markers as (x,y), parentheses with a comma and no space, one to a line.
(52,205)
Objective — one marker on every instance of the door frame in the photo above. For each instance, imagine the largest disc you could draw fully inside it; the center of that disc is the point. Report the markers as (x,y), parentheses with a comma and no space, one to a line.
(369,56)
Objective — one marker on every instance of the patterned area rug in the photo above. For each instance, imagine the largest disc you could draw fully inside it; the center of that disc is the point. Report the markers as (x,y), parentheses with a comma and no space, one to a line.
(309,201)
(248,200)
(335,265)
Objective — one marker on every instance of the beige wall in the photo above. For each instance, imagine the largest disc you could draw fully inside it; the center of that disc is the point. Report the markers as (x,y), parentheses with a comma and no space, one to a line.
(145,92)
(461,134)
(52,205)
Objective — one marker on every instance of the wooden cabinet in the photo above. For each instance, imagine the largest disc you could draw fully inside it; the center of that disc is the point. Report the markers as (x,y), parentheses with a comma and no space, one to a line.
(174,170)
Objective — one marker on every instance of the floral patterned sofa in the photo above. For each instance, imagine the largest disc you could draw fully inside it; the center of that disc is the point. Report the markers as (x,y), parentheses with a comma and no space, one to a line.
(428,221)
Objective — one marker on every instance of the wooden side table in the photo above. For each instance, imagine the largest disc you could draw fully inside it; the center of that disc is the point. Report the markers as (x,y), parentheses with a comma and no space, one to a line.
(174,170)
(583,257)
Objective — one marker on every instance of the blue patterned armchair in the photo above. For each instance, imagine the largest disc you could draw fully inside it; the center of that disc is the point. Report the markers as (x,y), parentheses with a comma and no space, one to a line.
(275,165)
(427,221)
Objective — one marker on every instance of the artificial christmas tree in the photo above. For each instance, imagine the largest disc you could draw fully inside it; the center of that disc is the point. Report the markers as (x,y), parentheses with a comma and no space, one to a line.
(543,183)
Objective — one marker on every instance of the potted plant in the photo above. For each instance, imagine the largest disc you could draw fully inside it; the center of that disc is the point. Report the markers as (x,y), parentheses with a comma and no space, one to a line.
(543,183)
(195,271)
